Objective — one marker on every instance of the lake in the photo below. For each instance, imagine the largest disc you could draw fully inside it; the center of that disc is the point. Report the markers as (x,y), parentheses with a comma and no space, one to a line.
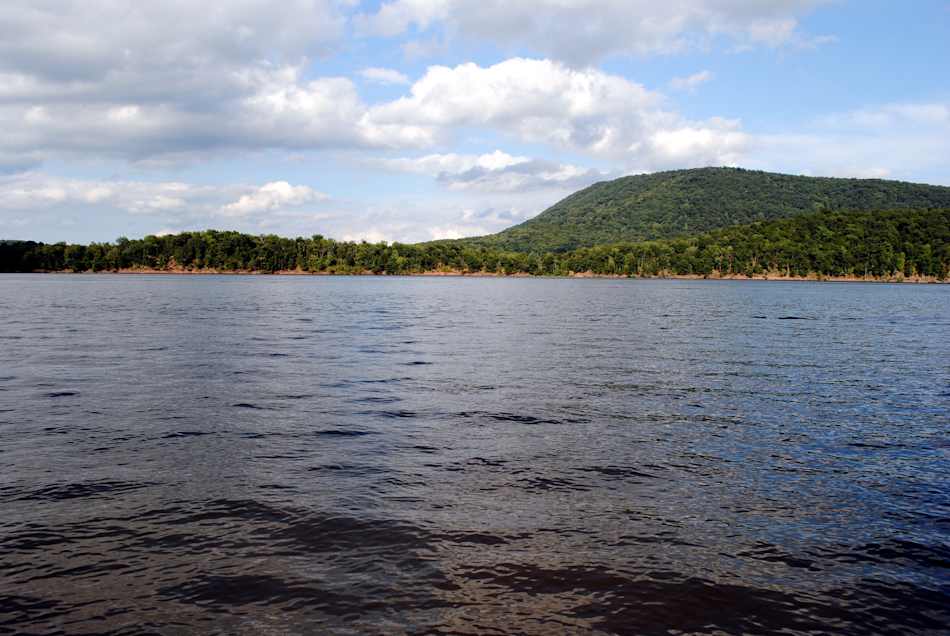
(254,454)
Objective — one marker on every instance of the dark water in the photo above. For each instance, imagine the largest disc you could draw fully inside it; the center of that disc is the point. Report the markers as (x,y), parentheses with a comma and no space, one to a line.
(368,455)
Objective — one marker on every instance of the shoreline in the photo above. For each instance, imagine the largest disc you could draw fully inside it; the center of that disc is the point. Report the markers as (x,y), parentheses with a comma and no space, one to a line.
(913,280)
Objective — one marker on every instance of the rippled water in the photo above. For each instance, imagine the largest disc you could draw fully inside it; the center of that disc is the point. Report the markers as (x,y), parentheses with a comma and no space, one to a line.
(393,455)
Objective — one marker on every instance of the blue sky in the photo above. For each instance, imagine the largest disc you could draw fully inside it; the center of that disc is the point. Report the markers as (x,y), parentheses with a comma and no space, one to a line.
(418,119)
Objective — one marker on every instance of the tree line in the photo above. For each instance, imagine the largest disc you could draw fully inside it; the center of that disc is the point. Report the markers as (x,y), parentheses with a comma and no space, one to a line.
(861,244)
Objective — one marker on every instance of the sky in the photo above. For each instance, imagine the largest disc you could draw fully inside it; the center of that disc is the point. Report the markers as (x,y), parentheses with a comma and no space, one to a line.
(412,120)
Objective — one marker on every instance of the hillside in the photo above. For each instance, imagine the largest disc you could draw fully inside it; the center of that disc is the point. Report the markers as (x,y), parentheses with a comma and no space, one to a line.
(688,202)
(878,244)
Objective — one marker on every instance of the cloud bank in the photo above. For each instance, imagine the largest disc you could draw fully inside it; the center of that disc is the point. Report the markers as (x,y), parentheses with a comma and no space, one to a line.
(149,106)
(584,31)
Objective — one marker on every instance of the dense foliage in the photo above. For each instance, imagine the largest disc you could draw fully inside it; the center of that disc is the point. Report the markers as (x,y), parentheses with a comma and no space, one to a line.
(859,244)
(688,202)
(876,244)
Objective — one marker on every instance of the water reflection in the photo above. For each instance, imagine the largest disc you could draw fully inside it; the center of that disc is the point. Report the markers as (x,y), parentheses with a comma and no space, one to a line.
(472,456)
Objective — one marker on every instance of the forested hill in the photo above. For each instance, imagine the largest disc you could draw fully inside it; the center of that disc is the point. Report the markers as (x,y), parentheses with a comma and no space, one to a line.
(890,245)
(689,202)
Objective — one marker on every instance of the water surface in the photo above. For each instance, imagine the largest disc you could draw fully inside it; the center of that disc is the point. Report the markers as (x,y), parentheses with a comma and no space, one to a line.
(403,455)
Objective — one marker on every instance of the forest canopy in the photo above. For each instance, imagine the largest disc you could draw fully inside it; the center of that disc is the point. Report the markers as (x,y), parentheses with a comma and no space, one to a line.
(677,203)
(885,244)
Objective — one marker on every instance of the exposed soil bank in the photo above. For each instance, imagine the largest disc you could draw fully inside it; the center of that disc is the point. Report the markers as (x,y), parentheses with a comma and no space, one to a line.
(441,273)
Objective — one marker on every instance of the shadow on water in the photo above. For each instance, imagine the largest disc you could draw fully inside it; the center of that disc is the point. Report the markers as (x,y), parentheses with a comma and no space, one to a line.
(243,557)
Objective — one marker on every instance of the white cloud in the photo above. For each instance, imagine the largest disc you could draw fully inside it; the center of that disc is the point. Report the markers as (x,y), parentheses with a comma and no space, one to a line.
(178,82)
(169,200)
(370,235)
(384,76)
(160,84)
(173,80)
(582,31)
(436,164)
(394,18)
(721,139)
(272,196)
(136,81)
(691,82)
(80,43)
(268,108)
(537,101)
(541,101)
(36,191)
(451,232)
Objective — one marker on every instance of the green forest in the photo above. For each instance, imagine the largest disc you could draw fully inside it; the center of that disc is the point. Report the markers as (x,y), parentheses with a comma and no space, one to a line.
(677,203)
(882,244)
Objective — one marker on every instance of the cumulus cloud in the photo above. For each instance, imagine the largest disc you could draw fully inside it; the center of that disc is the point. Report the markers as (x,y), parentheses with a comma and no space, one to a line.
(162,83)
(179,82)
(271,108)
(542,101)
(262,106)
(384,76)
(583,31)
(100,40)
(719,141)
(173,80)
(151,77)
(272,196)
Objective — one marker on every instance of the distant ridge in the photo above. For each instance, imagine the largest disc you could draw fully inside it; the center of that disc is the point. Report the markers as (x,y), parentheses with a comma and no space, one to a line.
(689,202)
